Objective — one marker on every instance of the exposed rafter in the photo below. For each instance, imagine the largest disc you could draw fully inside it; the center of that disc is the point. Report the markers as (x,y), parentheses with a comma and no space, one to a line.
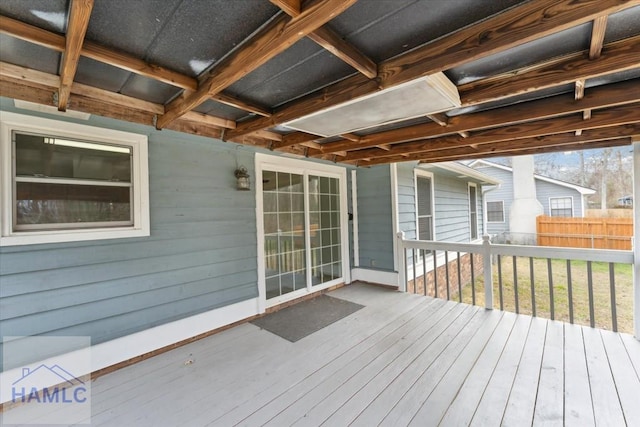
(615,116)
(515,26)
(120,60)
(598,97)
(332,42)
(616,57)
(597,36)
(279,35)
(79,14)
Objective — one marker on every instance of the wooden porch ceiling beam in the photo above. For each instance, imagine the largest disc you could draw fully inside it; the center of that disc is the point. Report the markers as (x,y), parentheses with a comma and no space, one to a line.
(275,38)
(538,150)
(51,81)
(35,35)
(79,14)
(615,116)
(294,138)
(616,57)
(518,25)
(540,144)
(332,42)
(598,97)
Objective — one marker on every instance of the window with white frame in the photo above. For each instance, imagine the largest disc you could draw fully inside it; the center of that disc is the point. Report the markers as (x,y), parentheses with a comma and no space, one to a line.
(495,211)
(473,211)
(68,182)
(561,206)
(424,206)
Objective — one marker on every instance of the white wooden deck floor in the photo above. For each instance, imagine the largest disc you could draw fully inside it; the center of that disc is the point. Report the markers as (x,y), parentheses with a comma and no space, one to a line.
(402,360)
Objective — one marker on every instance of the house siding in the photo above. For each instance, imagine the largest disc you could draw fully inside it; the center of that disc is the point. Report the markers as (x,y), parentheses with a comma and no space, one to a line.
(201,254)
(451,205)
(375,219)
(546,190)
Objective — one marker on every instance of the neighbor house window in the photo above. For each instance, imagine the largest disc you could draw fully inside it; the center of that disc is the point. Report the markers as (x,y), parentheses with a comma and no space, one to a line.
(561,206)
(424,206)
(66,182)
(473,211)
(495,211)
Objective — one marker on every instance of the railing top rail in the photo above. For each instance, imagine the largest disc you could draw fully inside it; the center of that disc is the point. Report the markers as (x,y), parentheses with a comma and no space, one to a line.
(600,255)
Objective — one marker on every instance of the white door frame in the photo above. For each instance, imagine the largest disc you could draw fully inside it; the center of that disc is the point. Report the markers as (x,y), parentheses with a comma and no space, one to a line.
(305,168)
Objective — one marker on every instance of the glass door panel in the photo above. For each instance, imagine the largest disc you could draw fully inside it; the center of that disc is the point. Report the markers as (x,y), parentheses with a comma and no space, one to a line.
(324,226)
(284,233)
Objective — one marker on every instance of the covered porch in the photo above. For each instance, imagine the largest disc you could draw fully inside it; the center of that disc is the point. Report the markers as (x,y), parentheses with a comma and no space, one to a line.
(402,359)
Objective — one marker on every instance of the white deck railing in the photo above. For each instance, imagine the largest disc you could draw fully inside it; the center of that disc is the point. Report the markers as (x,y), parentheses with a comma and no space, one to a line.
(420,261)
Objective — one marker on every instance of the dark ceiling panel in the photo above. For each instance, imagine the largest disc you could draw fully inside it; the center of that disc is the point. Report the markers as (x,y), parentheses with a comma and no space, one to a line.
(140,21)
(149,89)
(613,78)
(200,33)
(412,24)
(18,52)
(100,75)
(221,110)
(575,39)
(303,68)
(622,25)
(48,14)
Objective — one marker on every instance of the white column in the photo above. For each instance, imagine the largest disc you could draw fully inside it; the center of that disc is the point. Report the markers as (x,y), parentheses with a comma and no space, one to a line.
(636,237)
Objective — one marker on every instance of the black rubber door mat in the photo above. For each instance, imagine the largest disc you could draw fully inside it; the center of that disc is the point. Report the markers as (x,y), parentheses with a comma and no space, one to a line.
(302,319)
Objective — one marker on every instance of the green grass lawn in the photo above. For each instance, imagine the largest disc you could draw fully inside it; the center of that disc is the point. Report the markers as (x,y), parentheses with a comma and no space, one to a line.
(601,291)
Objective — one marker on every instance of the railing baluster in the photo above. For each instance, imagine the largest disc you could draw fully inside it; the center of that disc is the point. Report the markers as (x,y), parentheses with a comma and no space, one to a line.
(459,280)
(424,271)
(446,271)
(570,290)
(435,273)
(533,288)
(406,271)
(500,281)
(592,320)
(473,282)
(515,284)
(551,300)
(612,283)
(415,276)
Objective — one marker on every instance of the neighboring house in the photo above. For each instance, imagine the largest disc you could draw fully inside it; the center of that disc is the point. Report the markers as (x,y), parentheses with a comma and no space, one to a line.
(625,201)
(558,198)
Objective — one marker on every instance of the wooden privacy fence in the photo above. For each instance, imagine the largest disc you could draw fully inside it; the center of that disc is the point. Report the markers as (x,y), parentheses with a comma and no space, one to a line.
(594,233)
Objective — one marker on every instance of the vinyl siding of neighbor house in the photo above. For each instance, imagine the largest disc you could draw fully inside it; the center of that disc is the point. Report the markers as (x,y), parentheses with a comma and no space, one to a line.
(451,205)
(375,220)
(544,191)
(547,190)
(201,254)
(503,193)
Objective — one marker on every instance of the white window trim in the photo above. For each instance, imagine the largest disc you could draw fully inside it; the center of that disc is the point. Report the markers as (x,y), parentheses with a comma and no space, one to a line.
(487,212)
(421,173)
(303,167)
(478,235)
(562,197)
(141,224)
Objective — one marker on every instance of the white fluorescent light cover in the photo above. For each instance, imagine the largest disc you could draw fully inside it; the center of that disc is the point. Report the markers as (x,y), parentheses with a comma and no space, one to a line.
(427,95)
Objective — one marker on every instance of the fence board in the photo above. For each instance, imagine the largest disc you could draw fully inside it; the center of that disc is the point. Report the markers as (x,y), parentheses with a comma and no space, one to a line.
(595,233)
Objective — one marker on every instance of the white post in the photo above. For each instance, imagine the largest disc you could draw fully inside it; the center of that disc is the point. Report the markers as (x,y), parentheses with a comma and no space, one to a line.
(401,262)
(487,271)
(636,238)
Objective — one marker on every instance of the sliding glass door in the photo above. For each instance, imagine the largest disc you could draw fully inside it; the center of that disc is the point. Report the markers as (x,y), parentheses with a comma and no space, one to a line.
(303,230)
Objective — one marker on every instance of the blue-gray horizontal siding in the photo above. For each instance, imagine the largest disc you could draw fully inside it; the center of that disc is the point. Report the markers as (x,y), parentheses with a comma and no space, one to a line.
(546,190)
(201,254)
(451,205)
(375,224)
(502,193)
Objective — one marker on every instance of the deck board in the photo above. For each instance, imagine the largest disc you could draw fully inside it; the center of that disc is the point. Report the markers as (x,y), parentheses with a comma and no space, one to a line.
(402,359)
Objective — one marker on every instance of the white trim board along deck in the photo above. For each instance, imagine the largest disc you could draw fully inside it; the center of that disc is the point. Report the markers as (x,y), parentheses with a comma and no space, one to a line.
(402,360)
